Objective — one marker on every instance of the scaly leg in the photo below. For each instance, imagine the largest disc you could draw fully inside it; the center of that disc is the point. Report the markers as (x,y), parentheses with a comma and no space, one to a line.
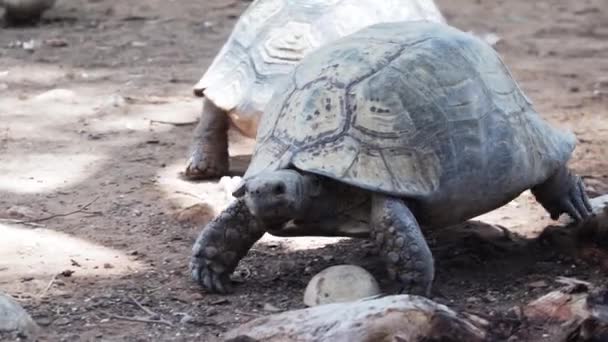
(209,149)
(399,238)
(222,244)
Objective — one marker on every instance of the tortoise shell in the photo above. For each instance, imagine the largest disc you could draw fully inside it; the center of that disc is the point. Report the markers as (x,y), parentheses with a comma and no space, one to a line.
(272,36)
(412,109)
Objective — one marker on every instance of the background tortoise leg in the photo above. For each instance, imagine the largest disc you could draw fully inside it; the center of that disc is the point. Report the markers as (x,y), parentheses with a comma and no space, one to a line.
(564,192)
(399,238)
(209,149)
(222,244)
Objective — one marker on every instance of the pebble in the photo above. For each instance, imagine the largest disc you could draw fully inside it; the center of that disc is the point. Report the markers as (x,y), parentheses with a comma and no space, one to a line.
(341,283)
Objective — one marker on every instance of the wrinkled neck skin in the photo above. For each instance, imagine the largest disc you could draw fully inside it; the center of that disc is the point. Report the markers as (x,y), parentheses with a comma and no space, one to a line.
(295,203)
(314,199)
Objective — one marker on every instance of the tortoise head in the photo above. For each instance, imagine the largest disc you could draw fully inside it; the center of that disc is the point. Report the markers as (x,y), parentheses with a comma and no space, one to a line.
(275,197)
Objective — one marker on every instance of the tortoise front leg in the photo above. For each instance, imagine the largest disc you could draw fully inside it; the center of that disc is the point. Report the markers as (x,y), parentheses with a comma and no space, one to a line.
(222,244)
(399,238)
(209,149)
(564,192)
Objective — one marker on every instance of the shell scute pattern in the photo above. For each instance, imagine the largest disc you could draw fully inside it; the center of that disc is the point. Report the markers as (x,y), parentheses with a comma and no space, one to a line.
(418,114)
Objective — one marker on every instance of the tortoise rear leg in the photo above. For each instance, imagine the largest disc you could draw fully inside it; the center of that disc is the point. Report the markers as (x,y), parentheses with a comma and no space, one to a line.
(222,244)
(399,238)
(209,149)
(564,192)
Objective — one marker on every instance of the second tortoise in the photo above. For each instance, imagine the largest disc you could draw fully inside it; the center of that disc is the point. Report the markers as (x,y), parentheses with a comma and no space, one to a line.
(267,42)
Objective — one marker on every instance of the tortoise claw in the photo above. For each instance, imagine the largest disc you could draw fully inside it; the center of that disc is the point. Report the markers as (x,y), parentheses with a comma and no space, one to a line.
(211,281)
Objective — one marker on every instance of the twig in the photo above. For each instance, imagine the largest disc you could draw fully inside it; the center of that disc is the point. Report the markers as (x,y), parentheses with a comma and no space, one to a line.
(27,223)
(191,195)
(246,313)
(177,124)
(146,310)
(141,320)
(48,287)
(83,208)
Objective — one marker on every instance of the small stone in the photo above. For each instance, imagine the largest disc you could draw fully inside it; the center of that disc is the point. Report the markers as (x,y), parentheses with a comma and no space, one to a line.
(472,300)
(44,321)
(488,298)
(107,265)
(68,273)
(56,42)
(342,283)
(20,211)
(271,308)
(186,319)
(62,321)
(328,258)
(30,45)
(538,284)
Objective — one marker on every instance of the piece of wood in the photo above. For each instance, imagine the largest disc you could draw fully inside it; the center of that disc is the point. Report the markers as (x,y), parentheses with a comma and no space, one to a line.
(391,318)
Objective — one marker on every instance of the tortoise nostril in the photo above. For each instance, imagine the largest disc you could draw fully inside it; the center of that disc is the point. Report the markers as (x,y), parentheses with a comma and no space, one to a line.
(278,189)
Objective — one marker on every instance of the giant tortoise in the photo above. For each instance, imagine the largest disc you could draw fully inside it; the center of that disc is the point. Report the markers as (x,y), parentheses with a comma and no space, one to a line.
(269,39)
(395,127)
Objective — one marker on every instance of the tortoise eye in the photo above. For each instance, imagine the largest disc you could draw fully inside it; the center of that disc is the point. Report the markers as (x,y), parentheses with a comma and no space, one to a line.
(278,189)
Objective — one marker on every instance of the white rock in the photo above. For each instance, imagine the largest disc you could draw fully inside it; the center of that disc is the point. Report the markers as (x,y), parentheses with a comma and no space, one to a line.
(14,318)
(58,95)
(342,283)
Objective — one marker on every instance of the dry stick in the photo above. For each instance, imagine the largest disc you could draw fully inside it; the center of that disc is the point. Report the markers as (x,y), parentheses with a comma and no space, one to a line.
(142,320)
(244,313)
(48,287)
(83,208)
(177,124)
(146,310)
(31,224)
(191,195)
(154,317)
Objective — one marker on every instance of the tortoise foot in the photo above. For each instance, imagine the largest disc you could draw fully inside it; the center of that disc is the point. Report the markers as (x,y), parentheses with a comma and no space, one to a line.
(202,165)
(221,245)
(402,245)
(564,192)
(202,272)
(209,151)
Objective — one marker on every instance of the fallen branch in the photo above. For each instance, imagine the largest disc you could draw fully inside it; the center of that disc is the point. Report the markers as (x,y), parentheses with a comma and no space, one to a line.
(391,318)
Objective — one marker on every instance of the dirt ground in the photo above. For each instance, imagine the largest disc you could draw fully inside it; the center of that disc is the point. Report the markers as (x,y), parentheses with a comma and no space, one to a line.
(85,101)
